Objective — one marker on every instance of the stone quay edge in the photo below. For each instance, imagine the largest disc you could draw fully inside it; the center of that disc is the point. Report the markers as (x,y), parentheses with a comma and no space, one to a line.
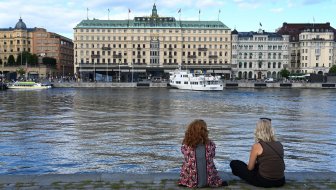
(102,181)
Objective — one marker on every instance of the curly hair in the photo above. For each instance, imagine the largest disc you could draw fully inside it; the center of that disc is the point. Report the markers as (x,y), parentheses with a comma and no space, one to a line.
(196,133)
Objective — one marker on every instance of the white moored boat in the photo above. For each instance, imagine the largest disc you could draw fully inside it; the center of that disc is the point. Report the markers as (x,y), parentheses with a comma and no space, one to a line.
(28,85)
(183,79)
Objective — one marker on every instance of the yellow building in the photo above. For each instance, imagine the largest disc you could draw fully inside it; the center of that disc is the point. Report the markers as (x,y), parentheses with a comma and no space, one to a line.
(311,47)
(150,47)
(15,41)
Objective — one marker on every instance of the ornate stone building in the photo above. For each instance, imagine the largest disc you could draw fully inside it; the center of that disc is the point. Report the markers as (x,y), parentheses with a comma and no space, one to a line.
(258,55)
(14,41)
(312,47)
(150,46)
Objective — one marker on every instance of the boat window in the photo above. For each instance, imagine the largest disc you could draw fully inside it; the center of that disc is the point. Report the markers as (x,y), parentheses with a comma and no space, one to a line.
(185,82)
(178,82)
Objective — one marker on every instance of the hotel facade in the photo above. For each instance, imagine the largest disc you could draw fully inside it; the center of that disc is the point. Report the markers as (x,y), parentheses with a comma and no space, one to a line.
(149,46)
(259,55)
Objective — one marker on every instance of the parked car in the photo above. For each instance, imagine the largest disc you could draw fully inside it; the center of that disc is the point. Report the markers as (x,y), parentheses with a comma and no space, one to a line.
(269,80)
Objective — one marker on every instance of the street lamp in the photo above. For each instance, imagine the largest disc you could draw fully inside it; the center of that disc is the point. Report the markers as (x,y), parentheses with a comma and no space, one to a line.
(107,77)
(94,71)
(63,72)
(132,72)
(119,69)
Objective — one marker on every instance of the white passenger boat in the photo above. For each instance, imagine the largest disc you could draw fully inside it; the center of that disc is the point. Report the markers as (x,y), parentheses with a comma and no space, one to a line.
(28,85)
(183,79)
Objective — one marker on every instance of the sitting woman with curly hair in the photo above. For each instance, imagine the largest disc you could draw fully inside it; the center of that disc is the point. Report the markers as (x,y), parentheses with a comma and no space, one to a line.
(198,169)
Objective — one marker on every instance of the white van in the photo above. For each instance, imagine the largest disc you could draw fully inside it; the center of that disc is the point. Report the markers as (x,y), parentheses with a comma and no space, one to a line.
(269,80)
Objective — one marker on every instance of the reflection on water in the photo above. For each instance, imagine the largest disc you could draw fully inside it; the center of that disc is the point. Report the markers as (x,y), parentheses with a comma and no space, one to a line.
(140,130)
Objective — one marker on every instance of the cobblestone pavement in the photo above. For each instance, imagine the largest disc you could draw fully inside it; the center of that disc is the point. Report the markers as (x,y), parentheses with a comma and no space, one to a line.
(105,181)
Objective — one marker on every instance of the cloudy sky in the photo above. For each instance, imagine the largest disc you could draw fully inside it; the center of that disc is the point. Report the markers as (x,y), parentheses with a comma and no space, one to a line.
(61,16)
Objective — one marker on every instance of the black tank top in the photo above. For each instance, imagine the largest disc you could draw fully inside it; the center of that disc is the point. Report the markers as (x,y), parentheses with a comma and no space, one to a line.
(271,163)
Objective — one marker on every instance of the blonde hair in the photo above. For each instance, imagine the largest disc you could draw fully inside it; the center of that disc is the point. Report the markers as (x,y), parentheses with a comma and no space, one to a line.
(264,131)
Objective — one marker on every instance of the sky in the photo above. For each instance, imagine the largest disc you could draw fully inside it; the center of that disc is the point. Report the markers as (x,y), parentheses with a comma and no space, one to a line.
(61,16)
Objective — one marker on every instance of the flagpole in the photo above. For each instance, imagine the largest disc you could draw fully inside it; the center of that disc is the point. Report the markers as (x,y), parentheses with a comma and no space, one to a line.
(179,15)
(199,15)
(87,13)
(219,11)
(108,14)
(128,19)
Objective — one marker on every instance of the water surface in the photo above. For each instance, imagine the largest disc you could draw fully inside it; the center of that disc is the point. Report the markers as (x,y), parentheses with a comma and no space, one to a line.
(140,130)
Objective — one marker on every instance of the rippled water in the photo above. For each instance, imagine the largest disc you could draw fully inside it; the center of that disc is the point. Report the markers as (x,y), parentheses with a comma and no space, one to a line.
(140,130)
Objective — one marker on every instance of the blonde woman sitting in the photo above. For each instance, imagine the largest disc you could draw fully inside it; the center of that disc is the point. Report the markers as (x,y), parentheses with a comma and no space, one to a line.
(266,165)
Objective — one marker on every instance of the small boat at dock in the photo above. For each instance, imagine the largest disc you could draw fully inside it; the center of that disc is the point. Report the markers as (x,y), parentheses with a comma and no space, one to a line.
(28,85)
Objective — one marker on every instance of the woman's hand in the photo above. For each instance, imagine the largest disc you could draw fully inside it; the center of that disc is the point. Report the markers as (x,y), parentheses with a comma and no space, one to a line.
(256,150)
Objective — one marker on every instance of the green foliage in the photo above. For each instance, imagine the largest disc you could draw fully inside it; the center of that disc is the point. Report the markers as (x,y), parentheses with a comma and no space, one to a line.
(11,60)
(284,73)
(332,70)
(20,71)
(27,57)
(49,61)
(33,60)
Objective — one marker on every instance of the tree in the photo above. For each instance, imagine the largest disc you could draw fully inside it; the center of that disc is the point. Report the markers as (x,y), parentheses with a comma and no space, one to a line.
(20,71)
(11,60)
(332,70)
(26,58)
(49,61)
(20,59)
(284,73)
(33,60)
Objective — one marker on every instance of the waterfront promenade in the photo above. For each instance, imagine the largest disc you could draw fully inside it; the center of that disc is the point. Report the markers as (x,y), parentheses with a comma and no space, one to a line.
(104,181)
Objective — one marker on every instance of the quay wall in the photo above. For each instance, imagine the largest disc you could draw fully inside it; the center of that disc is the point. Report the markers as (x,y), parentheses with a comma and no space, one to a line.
(105,181)
(109,85)
(164,85)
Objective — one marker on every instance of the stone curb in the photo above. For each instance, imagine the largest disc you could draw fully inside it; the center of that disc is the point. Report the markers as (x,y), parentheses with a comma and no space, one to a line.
(49,178)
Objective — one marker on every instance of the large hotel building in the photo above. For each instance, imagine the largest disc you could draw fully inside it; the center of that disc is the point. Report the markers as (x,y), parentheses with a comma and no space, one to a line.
(150,46)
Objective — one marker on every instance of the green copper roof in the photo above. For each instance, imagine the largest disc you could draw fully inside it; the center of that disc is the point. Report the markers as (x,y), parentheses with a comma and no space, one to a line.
(153,21)
(150,22)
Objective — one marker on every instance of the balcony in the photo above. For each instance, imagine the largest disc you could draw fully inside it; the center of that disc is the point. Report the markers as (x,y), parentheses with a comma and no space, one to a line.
(192,56)
(138,48)
(138,56)
(95,56)
(202,49)
(106,48)
(213,57)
